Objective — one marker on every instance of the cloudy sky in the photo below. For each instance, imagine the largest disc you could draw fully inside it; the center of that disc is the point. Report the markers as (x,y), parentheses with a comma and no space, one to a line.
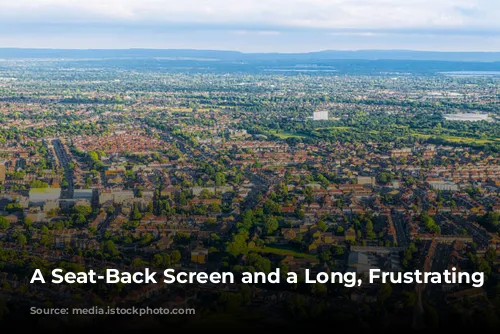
(253,25)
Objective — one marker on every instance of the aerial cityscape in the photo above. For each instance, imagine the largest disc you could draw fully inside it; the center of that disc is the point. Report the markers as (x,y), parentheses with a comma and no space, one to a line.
(207,161)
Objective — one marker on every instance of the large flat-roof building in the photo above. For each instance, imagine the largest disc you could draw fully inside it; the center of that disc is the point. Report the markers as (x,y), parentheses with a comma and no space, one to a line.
(321,115)
(83,194)
(470,117)
(443,185)
(40,196)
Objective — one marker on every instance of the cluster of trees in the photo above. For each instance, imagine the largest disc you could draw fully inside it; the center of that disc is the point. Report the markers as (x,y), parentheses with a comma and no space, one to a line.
(38,184)
(165,260)
(364,224)
(408,258)
(81,215)
(95,160)
(385,178)
(4,223)
(491,221)
(429,223)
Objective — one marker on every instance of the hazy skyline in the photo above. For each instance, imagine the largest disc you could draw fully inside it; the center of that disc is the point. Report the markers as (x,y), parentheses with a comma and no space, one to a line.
(253,25)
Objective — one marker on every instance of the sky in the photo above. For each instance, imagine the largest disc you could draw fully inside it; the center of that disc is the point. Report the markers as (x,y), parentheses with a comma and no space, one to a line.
(253,25)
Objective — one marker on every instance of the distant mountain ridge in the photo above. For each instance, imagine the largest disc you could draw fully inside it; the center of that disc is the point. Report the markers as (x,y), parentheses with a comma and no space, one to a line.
(30,53)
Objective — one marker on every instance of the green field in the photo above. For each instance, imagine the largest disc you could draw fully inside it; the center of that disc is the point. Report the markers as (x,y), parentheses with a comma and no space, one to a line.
(286,135)
(277,250)
(446,137)
(458,139)
(339,128)
(450,138)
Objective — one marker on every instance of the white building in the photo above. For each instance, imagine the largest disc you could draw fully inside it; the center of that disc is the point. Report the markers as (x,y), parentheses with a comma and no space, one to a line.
(443,185)
(467,117)
(115,196)
(321,115)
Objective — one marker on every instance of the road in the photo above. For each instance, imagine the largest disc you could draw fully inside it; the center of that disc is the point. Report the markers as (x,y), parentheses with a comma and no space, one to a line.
(64,160)
(401,231)
(260,186)
(102,227)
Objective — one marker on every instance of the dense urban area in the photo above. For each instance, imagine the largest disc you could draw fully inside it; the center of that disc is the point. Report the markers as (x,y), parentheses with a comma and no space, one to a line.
(127,164)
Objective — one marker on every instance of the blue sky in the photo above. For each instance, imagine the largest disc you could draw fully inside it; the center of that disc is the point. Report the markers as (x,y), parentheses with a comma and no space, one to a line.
(253,25)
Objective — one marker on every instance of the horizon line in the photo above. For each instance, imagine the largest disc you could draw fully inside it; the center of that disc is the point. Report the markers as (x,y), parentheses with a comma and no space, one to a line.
(243,52)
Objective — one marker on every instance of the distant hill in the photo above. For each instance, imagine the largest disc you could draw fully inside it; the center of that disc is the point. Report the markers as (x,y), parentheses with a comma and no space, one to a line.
(409,55)
(18,53)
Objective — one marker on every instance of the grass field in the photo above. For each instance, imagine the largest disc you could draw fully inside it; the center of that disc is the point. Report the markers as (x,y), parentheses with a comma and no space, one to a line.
(286,135)
(208,109)
(449,138)
(180,109)
(338,128)
(283,251)
(457,139)
(470,140)
(189,109)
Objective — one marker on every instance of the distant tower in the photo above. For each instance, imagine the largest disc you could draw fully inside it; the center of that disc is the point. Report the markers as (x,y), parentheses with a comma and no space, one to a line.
(321,115)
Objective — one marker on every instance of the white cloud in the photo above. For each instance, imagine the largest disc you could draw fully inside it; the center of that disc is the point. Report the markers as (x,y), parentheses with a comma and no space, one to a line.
(327,14)
(256,32)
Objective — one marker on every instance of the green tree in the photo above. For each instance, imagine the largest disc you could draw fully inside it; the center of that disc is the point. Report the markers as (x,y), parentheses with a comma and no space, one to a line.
(271,224)
(299,213)
(490,255)
(429,223)
(110,210)
(13,207)
(220,179)
(238,246)
(109,248)
(340,230)
(385,178)
(214,207)
(38,184)
(271,207)
(21,240)
(259,262)
(136,214)
(369,230)
(146,239)
(182,199)
(205,194)
(175,256)
(246,220)
(45,240)
(79,220)
(137,262)
(4,223)
(85,210)
(150,207)
(322,226)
